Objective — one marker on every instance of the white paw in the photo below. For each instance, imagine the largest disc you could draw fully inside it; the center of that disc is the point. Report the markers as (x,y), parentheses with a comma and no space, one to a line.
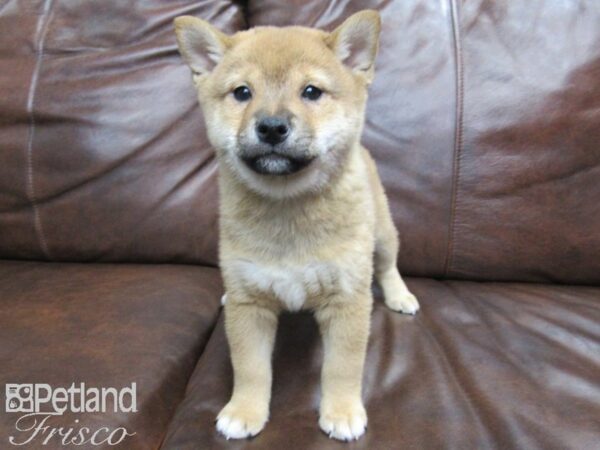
(235,422)
(405,303)
(345,424)
(223,299)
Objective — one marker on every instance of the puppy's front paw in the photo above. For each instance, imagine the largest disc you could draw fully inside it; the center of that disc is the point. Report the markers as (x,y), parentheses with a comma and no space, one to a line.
(405,302)
(239,421)
(345,421)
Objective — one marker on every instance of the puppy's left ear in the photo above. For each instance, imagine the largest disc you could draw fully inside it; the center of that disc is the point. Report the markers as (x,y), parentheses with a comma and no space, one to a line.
(356,40)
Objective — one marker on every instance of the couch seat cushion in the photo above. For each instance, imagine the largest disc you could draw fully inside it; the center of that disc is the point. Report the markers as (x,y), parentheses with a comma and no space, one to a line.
(483,365)
(106,326)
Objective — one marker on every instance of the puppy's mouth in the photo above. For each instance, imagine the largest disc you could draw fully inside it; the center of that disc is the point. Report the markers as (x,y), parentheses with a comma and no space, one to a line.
(276,163)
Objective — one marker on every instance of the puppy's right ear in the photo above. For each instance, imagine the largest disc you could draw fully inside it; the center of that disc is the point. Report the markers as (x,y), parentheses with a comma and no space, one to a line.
(201,45)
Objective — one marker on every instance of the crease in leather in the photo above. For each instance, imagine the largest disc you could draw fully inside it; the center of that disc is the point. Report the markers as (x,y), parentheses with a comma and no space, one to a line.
(470,388)
(189,176)
(203,164)
(119,162)
(42,28)
(201,355)
(514,189)
(111,167)
(500,322)
(458,133)
(452,377)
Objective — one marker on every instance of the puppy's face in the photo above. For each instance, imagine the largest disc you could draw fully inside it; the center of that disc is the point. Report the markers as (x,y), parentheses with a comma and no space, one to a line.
(283,106)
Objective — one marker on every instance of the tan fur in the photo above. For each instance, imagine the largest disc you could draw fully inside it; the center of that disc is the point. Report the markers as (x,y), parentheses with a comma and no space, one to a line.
(305,240)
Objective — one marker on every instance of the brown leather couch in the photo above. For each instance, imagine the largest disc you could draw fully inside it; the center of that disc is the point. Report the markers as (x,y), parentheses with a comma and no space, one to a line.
(484,119)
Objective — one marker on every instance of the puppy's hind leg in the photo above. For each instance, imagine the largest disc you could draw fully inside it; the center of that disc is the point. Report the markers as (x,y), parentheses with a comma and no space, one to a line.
(396,294)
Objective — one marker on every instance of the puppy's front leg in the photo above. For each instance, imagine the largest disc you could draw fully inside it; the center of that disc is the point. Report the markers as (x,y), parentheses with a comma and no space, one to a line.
(345,330)
(250,332)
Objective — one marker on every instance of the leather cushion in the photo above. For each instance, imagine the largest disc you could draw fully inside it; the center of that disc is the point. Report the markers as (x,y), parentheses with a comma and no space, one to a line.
(106,326)
(483,365)
(483,118)
(102,143)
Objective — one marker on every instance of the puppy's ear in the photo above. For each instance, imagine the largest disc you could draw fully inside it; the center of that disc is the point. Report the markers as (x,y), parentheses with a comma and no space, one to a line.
(201,45)
(355,41)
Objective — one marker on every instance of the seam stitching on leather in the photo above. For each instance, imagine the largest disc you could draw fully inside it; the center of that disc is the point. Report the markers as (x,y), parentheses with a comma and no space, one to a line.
(458,135)
(40,37)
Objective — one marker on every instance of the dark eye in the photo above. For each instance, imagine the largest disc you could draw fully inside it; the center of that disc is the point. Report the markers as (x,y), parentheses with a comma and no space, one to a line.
(242,93)
(311,92)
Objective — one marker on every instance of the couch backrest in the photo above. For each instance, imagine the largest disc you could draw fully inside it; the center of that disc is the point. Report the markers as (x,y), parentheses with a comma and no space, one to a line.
(103,154)
(484,118)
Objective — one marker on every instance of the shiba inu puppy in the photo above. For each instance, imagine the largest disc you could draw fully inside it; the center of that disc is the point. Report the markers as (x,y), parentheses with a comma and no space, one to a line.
(304,220)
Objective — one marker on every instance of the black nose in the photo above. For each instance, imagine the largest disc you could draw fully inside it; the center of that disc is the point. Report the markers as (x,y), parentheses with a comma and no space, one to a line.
(273,130)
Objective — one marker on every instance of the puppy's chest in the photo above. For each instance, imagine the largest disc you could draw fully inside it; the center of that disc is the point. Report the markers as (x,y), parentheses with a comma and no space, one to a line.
(293,285)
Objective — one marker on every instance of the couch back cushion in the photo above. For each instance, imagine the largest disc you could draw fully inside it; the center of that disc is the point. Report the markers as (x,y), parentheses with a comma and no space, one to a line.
(528,164)
(103,154)
(483,117)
